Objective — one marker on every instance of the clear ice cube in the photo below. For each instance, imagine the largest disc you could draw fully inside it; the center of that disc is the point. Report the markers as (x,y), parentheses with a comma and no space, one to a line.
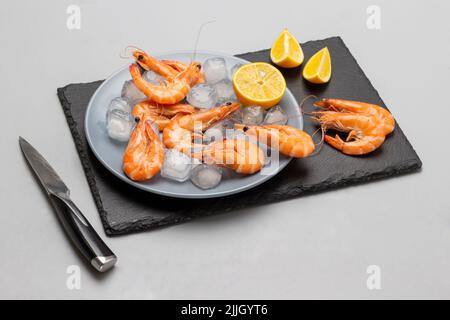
(177,166)
(119,125)
(253,115)
(215,70)
(206,176)
(131,93)
(226,124)
(153,78)
(218,131)
(195,162)
(202,96)
(237,116)
(119,104)
(276,115)
(234,69)
(236,134)
(213,134)
(225,91)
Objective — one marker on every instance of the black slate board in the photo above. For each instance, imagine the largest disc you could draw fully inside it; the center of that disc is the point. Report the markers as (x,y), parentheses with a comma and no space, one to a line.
(125,209)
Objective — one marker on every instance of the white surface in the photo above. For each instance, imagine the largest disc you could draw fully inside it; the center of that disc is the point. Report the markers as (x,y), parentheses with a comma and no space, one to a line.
(317,246)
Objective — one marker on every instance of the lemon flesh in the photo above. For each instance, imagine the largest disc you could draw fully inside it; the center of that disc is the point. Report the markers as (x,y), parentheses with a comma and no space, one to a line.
(286,52)
(259,84)
(318,67)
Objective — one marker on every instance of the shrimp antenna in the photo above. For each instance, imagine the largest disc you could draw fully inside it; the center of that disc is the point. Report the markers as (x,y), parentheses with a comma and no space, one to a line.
(126,53)
(302,104)
(198,37)
(321,142)
(302,109)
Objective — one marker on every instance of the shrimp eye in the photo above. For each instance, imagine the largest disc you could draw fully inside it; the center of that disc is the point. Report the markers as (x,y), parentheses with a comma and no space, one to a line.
(199,66)
(140,57)
(136,119)
(245,128)
(228,103)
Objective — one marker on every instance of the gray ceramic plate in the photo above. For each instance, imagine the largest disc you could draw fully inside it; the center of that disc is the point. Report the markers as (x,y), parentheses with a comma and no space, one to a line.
(110,152)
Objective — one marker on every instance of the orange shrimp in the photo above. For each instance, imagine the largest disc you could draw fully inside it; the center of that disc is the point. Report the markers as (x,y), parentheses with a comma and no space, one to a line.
(181,132)
(159,120)
(364,134)
(149,63)
(173,91)
(287,140)
(169,110)
(387,122)
(161,114)
(181,66)
(239,155)
(144,155)
(176,65)
(170,69)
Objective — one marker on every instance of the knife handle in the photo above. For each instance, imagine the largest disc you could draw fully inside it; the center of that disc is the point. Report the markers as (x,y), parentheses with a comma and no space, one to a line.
(83,234)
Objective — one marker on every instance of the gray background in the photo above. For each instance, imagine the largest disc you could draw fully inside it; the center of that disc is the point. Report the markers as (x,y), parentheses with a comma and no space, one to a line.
(314,247)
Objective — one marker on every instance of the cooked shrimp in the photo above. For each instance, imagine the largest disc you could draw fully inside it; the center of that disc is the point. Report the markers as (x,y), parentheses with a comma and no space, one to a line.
(364,134)
(181,66)
(161,114)
(168,110)
(149,63)
(387,122)
(173,91)
(180,132)
(287,140)
(239,155)
(144,155)
(170,69)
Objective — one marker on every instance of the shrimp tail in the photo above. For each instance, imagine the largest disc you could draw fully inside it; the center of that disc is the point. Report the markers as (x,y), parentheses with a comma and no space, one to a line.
(335,142)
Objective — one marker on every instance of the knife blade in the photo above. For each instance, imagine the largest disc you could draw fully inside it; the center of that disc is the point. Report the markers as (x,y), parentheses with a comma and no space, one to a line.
(80,231)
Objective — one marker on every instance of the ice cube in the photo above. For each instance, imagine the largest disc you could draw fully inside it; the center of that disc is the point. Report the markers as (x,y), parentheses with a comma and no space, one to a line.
(234,69)
(153,78)
(177,166)
(253,115)
(218,131)
(225,91)
(213,134)
(202,96)
(226,124)
(237,116)
(195,162)
(235,134)
(119,125)
(276,115)
(119,104)
(215,70)
(131,93)
(206,176)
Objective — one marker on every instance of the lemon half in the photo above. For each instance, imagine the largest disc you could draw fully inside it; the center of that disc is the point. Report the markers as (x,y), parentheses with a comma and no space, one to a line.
(259,84)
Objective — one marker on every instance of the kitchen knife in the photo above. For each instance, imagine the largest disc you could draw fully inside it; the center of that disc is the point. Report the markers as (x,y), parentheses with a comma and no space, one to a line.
(76,225)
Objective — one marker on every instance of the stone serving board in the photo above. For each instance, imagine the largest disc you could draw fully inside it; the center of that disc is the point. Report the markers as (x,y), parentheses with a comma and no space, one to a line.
(124,209)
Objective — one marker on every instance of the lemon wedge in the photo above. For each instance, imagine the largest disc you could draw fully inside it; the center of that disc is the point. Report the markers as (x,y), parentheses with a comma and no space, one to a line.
(318,67)
(286,51)
(259,84)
